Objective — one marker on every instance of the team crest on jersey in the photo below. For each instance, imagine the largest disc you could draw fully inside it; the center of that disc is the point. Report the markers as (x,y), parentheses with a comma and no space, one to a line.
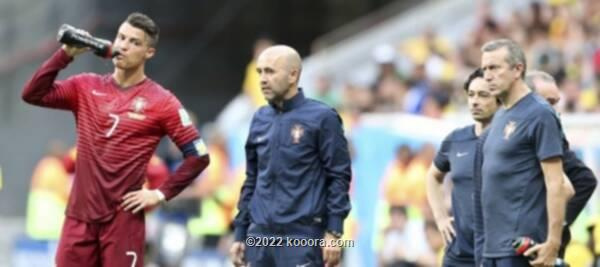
(137,108)
(297,132)
(509,129)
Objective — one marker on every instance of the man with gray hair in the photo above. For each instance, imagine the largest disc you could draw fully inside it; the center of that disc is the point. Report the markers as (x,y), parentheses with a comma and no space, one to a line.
(583,179)
(545,85)
(522,164)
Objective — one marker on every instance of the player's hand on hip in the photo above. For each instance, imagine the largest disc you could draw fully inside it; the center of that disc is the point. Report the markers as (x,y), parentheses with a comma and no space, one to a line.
(546,254)
(331,253)
(446,228)
(237,254)
(138,200)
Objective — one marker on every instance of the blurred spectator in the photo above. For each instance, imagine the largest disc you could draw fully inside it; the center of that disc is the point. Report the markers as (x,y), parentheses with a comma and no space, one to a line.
(419,88)
(538,20)
(388,89)
(433,106)
(546,57)
(389,94)
(156,173)
(213,222)
(325,93)
(395,184)
(579,255)
(435,242)
(415,178)
(357,98)
(240,109)
(405,242)
(427,46)
(47,199)
(385,56)
(594,239)
(251,85)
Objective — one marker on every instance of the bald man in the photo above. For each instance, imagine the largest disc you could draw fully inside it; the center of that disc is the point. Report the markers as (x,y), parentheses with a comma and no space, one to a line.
(295,197)
(583,179)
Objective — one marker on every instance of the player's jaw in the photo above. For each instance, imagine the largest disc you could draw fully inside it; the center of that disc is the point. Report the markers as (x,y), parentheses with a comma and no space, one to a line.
(274,95)
(267,91)
(484,109)
(497,86)
(482,116)
(476,112)
(274,90)
(482,106)
(129,59)
(500,85)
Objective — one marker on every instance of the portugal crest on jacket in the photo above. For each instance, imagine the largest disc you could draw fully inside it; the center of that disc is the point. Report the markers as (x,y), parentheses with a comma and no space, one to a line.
(509,129)
(297,132)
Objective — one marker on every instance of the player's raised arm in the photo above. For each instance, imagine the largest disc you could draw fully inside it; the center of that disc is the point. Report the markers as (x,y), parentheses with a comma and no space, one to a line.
(43,90)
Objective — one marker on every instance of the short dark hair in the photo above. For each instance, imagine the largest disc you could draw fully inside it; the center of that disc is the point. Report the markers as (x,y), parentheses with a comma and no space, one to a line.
(515,52)
(146,24)
(477,73)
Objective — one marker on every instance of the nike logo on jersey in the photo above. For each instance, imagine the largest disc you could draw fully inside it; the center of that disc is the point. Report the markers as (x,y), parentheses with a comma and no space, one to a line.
(96,93)
(460,155)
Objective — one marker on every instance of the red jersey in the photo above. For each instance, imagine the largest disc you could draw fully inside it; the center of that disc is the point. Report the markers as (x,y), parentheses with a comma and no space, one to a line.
(118,130)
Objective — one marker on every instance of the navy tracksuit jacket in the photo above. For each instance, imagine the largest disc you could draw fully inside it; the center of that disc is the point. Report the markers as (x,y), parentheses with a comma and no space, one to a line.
(297,172)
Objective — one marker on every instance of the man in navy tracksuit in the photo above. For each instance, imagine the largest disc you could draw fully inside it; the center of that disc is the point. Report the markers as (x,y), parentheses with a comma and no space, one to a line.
(456,156)
(297,174)
(522,162)
(581,177)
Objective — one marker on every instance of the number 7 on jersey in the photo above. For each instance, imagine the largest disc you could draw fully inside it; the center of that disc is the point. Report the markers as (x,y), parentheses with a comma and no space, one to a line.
(115,123)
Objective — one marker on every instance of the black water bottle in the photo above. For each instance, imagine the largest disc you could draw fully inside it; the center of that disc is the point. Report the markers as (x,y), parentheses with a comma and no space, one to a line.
(524,243)
(70,35)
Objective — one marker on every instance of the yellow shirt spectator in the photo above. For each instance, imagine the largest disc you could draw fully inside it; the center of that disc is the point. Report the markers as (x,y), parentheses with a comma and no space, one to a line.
(251,85)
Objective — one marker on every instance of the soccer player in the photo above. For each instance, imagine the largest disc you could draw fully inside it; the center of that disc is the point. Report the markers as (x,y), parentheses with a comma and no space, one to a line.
(522,164)
(456,156)
(120,118)
(583,179)
(297,173)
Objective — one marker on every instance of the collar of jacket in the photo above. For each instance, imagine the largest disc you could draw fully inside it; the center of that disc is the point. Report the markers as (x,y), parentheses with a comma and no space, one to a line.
(291,103)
